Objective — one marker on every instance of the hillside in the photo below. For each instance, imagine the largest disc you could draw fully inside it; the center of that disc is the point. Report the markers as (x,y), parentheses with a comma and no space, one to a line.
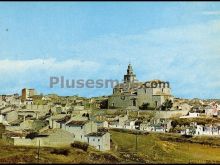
(160,148)
(151,148)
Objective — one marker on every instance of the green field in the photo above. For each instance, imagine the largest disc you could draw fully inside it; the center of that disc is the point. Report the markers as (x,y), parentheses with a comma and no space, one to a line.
(150,148)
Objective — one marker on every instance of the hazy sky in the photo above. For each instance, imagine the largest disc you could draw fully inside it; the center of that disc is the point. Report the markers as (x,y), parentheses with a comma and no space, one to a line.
(177,42)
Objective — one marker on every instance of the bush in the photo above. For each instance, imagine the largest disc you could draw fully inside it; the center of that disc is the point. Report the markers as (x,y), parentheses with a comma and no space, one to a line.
(80,145)
(144,106)
(32,135)
(2,130)
(60,152)
(187,136)
(110,157)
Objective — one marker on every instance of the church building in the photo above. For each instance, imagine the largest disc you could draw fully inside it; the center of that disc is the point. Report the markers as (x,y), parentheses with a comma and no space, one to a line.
(132,93)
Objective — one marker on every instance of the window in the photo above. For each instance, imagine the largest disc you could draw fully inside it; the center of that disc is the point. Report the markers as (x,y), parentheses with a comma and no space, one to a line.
(156,103)
(98,140)
(134,102)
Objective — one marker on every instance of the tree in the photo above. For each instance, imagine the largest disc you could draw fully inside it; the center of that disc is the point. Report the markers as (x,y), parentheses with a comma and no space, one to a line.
(104,104)
(167,105)
(192,130)
(144,106)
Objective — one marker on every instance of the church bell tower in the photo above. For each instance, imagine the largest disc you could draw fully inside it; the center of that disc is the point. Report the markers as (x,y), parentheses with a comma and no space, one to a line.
(130,76)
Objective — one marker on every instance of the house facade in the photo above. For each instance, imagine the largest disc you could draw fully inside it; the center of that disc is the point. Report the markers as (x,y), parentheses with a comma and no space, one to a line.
(100,140)
(80,129)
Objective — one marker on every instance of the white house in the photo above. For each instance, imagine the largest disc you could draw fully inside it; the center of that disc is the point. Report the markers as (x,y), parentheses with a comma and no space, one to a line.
(100,140)
(207,130)
(28,101)
(195,129)
(115,124)
(191,115)
(130,124)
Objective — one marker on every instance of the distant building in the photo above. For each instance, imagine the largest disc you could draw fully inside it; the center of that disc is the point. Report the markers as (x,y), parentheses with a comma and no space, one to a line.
(27,93)
(157,125)
(28,101)
(212,109)
(207,129)
(118,122)
(191,115)
(130,124)
(9,100)
(134,93)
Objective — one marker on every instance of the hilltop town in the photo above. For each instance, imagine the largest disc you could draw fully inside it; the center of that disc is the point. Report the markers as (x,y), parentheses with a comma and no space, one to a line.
(37,120)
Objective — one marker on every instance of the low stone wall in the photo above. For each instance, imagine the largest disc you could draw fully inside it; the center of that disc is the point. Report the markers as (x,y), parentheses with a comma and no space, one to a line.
(25,142)
(44,142)
(167,114)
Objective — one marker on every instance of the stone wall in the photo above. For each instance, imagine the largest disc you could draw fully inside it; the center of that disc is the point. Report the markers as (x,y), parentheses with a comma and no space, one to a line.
(120,101)
(59,138)
(167,114)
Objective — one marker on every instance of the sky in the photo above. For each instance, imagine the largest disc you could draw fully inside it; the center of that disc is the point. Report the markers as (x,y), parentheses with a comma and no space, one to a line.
(176,42)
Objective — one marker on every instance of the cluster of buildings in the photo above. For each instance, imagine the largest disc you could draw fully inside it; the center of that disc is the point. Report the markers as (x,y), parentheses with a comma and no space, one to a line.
(63,129)
(198,129)
(142,125)
(53,124)
(211,109)
(50,120)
